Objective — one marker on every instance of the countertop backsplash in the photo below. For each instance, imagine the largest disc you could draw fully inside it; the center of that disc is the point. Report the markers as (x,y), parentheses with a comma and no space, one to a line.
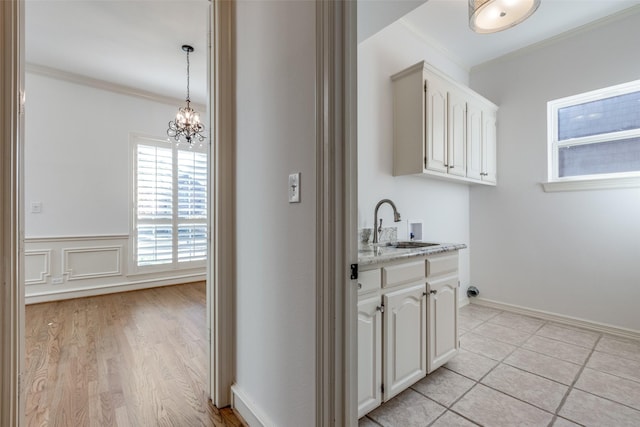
(388,234)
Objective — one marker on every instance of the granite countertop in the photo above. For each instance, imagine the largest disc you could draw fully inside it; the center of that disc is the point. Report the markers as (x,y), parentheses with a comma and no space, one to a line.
(369,254)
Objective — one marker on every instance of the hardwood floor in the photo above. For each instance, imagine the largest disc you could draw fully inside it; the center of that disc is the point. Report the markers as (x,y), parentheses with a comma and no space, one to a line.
(128,359)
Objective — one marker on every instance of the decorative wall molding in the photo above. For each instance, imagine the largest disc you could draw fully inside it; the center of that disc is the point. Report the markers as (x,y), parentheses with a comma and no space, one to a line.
(84,263)
(559,318)
(67,76)
(37,266)
(79,266)
(100,237)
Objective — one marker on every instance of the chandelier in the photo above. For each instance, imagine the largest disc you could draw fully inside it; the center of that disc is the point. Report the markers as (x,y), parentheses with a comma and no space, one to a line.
(186,126)
(491,16)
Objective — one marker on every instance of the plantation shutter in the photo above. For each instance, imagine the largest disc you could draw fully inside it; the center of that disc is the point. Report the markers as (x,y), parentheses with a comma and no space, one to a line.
(154,208)
(192,206)
(170,206)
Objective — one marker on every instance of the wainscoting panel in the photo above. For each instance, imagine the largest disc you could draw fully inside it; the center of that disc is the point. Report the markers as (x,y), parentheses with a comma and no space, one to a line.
(66,267)
(89,263)
(37,266)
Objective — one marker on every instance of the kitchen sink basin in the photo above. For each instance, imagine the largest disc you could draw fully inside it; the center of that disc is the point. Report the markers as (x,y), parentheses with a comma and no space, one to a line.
(411,244)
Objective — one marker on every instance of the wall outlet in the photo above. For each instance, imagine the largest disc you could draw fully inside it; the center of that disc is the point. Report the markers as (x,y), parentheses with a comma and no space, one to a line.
(57,280)
(36,207)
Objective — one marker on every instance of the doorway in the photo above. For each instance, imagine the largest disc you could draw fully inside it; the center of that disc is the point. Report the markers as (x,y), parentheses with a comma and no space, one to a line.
(220,322)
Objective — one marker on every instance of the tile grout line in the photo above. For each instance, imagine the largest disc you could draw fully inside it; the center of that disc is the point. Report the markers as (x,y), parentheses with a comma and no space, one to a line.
(555,414)
(517,347)
(570,387)
(575,380)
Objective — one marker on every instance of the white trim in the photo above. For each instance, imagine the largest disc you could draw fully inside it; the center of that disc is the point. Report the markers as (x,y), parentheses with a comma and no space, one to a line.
(247,409)
(560,37)
(68,271)
(46,266)
(560,318)
(336,212)
(222,256)
(58,295)
(554,144)
(76,238)
(436,45)
(11,213)
(590,184)
(79,79)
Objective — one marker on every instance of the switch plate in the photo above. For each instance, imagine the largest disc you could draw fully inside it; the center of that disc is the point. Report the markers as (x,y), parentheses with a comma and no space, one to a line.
(36,207)
(294,187)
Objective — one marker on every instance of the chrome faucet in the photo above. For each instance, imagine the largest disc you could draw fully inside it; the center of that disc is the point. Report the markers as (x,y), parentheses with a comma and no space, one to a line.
(378,228)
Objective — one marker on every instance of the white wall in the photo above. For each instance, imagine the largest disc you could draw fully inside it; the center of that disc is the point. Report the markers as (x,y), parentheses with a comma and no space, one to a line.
(77,155)
(570,253)
(276,294)
(443,207)
(77,165)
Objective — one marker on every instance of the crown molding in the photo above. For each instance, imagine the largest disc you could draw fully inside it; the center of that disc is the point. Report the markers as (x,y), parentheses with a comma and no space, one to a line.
(439,47)
(105,85)
(560,37)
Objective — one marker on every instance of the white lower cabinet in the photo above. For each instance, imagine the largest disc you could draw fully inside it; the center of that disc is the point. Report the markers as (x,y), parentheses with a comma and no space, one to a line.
(407,325)
(405,338)
(369,354)
(442,320)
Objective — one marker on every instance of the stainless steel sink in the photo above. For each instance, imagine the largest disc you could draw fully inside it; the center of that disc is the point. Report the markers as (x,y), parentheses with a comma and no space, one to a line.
(411,244)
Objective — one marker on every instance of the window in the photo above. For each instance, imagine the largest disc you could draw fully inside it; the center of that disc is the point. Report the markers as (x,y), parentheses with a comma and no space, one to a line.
(595,135)
(170,204)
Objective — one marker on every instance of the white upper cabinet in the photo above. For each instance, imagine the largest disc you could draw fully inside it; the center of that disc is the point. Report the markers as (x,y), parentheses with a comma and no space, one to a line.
(441,128)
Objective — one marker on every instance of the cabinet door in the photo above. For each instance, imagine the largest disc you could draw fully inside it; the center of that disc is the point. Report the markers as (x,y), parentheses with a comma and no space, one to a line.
(442,320)
(369,354)
(474,141)
(404,338)
(436,125)
(489,147)
(457,134)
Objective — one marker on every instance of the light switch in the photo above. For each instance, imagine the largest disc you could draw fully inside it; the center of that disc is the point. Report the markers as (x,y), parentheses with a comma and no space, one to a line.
(36,207)
(294,188)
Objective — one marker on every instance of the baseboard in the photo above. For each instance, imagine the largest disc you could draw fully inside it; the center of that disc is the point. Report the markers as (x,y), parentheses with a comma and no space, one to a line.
(559,318)
(241,403)
(58,295)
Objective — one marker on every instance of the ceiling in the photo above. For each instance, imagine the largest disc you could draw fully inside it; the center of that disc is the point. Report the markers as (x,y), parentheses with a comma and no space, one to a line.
(131,43)
(137,43)
(444,23)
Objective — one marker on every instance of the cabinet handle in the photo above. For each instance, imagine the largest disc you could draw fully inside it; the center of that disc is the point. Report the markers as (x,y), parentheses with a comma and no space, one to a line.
(450,167)
(359,285)
(380,308)
(446,165)
(433,291)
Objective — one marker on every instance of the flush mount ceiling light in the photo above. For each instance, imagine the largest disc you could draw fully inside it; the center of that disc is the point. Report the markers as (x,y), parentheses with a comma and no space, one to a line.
(186,126)
(491,16)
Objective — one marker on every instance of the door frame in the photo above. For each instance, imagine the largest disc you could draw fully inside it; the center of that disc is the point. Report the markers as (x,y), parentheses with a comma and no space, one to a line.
(222,248)
(221,268)
(337,207)
(11,227)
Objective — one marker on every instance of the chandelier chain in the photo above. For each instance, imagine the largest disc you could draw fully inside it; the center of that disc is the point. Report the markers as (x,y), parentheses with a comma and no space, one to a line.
(188,97)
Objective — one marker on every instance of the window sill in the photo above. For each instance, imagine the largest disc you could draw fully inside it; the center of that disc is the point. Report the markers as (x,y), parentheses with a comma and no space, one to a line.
(591,184)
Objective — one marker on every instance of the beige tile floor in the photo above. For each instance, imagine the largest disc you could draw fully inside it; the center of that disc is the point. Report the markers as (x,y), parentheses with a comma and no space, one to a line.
(514,370)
